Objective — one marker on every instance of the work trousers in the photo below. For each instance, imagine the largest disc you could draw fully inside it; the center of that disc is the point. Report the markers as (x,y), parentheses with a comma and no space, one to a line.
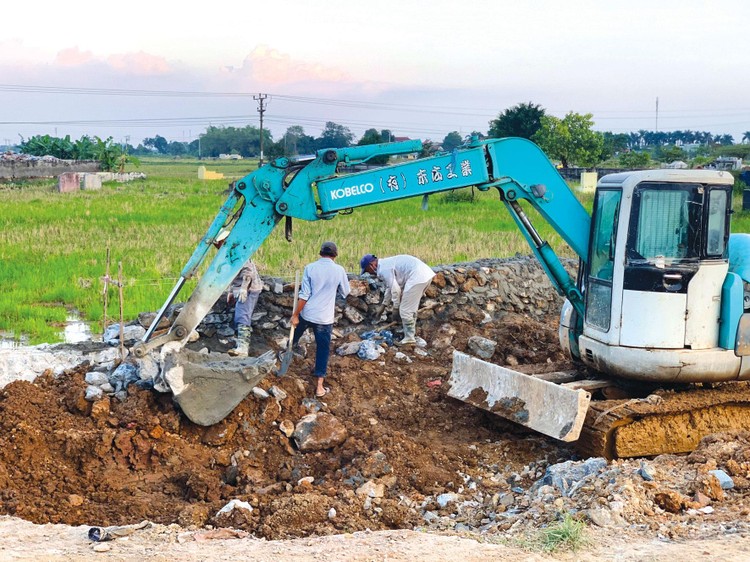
(410,297)
(322,333)
(243,311)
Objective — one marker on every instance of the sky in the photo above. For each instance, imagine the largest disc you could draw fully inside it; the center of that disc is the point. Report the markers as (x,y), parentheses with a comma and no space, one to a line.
(418,68)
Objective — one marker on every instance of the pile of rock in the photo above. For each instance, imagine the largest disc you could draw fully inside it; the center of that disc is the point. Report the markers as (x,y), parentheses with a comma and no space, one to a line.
(476,292)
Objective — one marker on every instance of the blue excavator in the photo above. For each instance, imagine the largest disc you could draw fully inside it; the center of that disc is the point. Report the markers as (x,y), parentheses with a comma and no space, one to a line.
(661,297)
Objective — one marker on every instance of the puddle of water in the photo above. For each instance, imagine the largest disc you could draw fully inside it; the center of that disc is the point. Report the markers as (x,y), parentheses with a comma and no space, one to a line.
(8,341)
(76,330)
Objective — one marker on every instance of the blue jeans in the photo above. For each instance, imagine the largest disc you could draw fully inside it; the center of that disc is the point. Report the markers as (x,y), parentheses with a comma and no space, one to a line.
(322,334)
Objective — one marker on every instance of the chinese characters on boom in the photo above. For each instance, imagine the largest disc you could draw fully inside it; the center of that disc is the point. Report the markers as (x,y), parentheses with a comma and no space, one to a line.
(435,175)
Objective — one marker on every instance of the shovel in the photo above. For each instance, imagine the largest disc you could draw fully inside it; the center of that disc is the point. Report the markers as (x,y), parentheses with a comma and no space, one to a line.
(286,356)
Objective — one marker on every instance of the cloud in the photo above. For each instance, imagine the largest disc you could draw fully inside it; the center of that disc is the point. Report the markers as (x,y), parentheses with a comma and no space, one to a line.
(74,57)
(273,68)
(134,64)
(140,63)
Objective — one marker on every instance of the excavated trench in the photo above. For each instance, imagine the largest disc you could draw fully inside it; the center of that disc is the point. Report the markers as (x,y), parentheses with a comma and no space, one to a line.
(66,460)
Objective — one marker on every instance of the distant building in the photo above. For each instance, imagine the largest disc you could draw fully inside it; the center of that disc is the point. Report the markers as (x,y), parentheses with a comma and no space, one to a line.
(725,163)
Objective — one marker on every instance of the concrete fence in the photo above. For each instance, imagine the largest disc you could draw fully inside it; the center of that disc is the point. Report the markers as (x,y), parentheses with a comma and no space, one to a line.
(27,169)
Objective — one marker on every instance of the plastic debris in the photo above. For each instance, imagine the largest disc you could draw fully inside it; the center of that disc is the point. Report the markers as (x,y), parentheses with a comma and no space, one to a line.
(99,534)
(370,350)
(384,336)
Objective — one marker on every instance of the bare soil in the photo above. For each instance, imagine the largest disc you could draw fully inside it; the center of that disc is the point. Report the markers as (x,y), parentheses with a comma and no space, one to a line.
(66,461)
(63,460)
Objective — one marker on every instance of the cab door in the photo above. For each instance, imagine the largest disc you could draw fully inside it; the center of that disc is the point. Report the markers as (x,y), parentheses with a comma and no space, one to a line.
(662,257)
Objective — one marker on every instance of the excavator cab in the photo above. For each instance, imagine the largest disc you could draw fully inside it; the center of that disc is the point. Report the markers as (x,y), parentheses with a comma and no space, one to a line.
(657,266)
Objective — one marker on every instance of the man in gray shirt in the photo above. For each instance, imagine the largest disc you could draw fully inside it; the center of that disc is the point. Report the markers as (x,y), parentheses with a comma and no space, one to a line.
(321,281)
(244,291)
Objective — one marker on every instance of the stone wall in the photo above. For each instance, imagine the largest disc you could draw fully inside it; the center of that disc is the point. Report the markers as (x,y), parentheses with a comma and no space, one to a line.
(474,291)
(24,169)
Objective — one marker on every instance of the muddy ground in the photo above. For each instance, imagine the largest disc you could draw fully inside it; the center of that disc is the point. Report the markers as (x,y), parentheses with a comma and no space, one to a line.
(66,460)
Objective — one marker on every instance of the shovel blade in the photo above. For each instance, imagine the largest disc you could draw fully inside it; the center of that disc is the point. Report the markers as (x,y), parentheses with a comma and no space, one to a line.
(208,388)
(287,356)
(286,360)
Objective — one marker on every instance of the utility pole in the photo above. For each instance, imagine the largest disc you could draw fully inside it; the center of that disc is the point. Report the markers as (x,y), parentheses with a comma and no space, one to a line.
(261,98)
(656,125)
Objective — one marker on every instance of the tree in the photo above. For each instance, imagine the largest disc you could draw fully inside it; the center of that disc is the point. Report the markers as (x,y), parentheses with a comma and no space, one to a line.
(452,140)
(670,153)
(635,160)
(158,143)
(570,139)
(372,136)
(334,136)
(746,136)
(177,148)
(614,144)
(296,142)
(232,140)
(522,120)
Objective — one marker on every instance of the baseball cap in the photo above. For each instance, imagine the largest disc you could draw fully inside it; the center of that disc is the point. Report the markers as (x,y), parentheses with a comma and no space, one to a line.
(329,249)
(365,262)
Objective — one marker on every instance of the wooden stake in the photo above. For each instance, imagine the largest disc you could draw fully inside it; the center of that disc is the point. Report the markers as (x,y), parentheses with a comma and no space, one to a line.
(106,291)
(122,330)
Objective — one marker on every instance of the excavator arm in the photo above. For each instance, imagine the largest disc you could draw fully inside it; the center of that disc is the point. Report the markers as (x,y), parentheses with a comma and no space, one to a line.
(321,188)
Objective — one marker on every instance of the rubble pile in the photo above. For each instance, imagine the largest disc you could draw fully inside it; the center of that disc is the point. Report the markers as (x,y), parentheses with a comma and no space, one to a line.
(19,157)
(97,444)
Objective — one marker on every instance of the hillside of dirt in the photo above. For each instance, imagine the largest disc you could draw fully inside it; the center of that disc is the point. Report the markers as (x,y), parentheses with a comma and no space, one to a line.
(117,462)
(404,456)
(98,444)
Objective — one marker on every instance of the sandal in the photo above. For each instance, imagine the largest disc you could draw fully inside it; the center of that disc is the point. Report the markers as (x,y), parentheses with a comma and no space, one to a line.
(326,390)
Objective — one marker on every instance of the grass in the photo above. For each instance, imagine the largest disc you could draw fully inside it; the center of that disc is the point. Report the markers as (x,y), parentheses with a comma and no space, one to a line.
(567,534)
(53,246)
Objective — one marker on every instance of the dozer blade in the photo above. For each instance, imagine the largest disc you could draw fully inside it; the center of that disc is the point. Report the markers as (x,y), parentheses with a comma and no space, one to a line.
(208,389)
(540,405)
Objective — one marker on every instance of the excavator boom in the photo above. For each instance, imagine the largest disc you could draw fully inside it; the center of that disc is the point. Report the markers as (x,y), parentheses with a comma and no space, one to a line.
(323,187)
(659,241)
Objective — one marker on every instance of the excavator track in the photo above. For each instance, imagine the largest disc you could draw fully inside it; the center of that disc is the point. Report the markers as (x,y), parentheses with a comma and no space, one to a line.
(667,421)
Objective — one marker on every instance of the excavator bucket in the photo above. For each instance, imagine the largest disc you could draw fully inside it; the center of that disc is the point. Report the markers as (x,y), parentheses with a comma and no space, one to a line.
(546,407)
(207,389)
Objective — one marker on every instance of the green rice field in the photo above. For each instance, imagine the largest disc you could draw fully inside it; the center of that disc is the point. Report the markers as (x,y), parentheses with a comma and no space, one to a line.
(53,246)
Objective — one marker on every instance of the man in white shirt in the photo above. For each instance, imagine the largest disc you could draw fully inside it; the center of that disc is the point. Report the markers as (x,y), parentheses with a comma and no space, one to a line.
(405,278)
(322,280)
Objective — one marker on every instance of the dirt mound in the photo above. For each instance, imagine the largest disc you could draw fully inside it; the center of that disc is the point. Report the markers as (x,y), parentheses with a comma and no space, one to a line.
(64,460)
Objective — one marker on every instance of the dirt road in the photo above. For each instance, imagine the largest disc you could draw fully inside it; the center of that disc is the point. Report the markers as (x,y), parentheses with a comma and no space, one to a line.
(25,541)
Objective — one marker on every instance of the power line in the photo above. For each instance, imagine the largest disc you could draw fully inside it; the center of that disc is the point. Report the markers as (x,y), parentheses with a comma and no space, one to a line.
(477,111)
(739,116)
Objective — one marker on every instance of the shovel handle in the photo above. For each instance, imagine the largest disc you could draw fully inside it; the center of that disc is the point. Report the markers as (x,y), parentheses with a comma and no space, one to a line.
(294,308)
